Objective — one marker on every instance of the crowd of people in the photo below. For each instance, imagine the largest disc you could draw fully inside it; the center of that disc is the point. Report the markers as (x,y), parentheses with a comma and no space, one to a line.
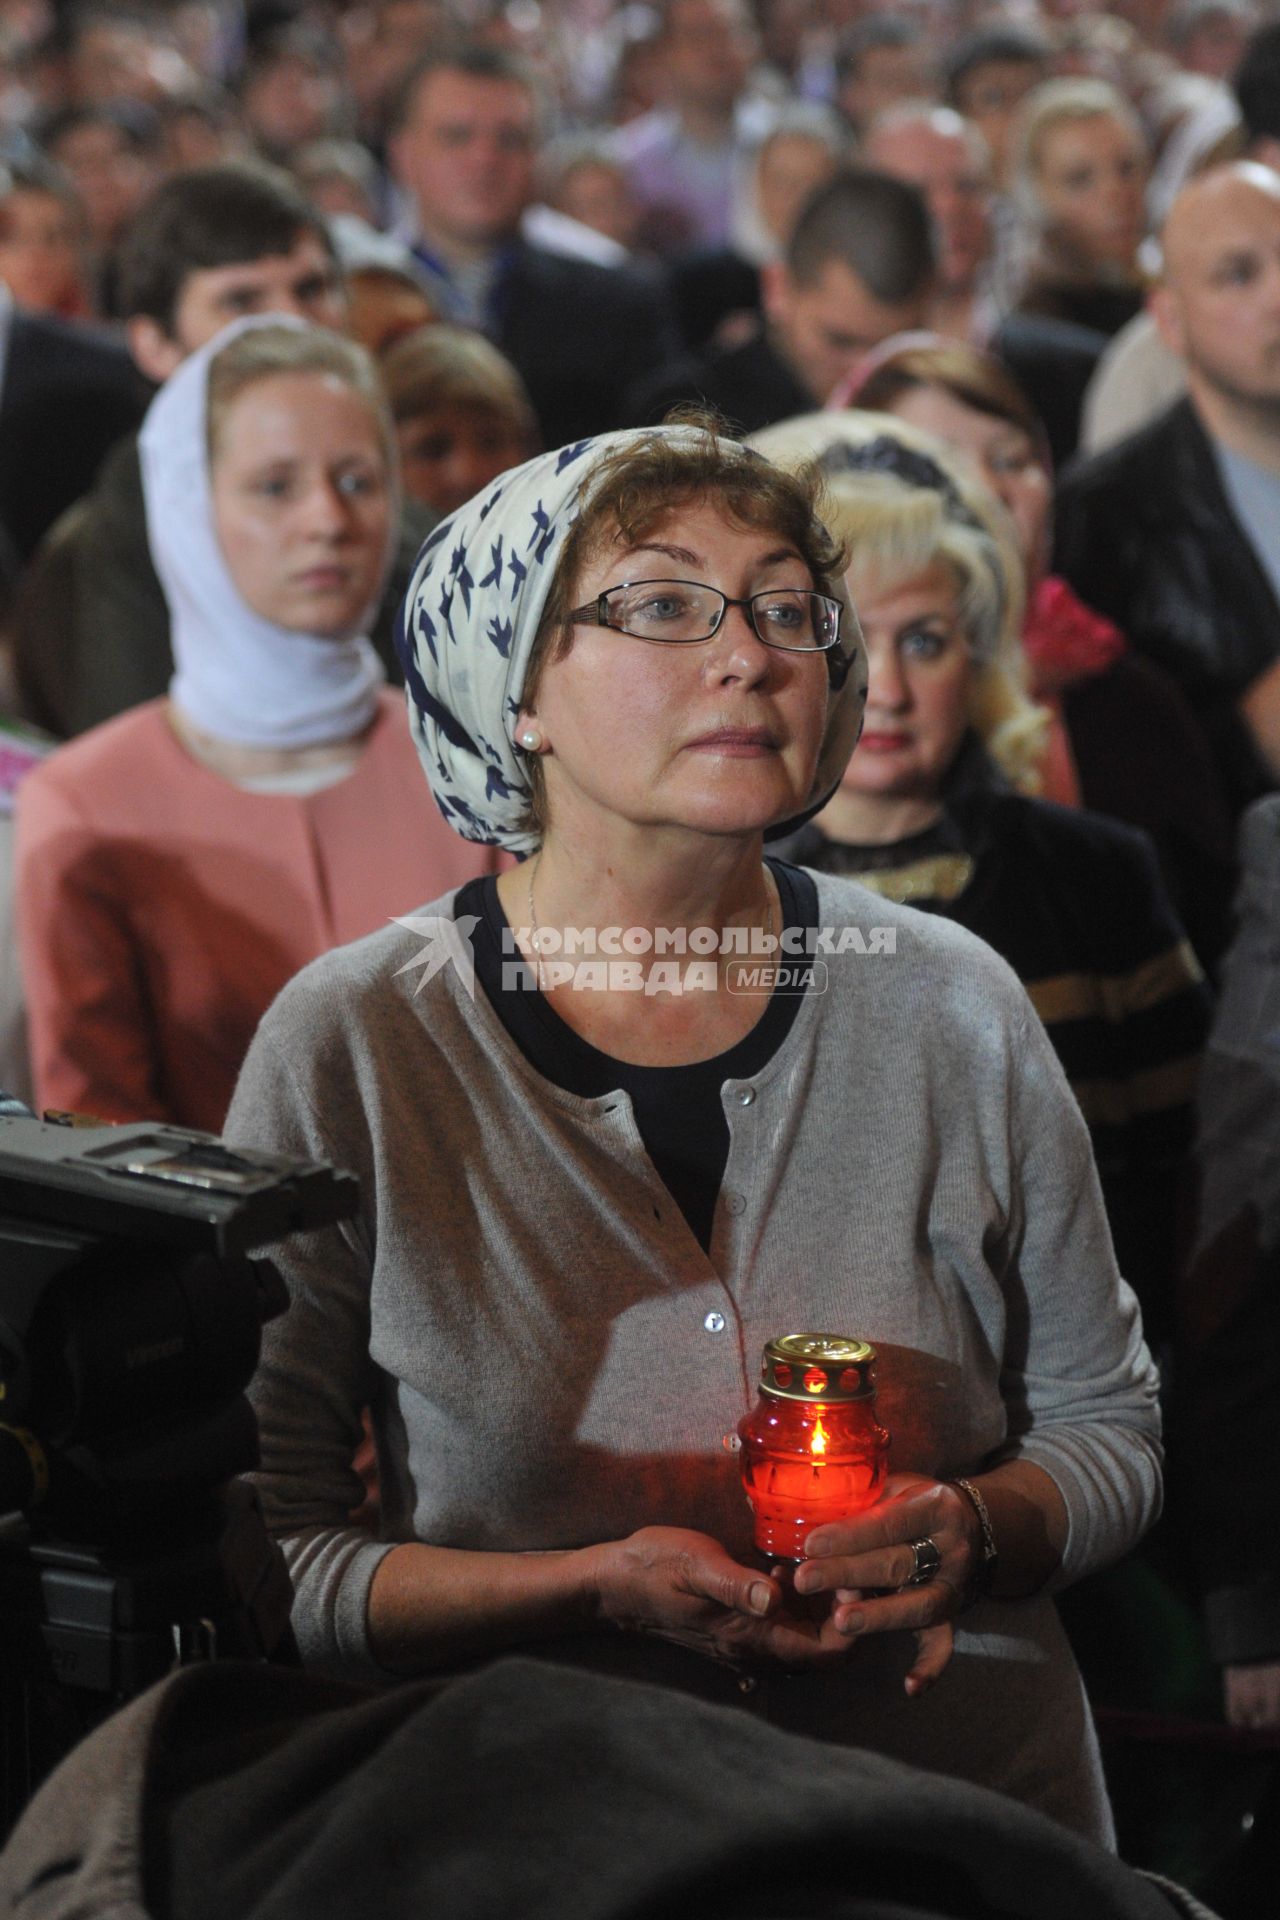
(618,410)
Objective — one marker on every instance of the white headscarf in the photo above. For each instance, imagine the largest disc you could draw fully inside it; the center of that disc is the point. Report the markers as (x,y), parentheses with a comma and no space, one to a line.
(472,614)
(238,677)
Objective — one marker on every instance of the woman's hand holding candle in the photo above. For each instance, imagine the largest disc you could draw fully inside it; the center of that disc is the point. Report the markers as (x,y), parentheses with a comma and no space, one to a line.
(866,1564)
(686,1587)
(857,1560)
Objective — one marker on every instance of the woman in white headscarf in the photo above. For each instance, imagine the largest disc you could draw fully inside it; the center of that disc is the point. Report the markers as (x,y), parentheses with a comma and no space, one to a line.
(177,865)
(603,1163)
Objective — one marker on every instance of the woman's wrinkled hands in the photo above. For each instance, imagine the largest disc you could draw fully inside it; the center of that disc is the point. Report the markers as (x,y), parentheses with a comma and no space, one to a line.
(687,1588)
(864,1565)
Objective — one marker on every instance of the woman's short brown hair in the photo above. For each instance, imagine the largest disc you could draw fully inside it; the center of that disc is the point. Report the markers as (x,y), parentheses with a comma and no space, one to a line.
(632,490)
(443,366)
(968,375)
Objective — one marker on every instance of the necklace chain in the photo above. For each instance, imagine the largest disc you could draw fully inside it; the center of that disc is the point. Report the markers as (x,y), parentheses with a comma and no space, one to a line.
(536,936)
(772,908)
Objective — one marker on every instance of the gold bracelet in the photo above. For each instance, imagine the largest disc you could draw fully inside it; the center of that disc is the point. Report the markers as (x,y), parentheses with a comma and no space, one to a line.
(984,1571)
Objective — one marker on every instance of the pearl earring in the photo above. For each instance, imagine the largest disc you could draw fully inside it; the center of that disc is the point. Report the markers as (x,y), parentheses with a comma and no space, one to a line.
(531,738)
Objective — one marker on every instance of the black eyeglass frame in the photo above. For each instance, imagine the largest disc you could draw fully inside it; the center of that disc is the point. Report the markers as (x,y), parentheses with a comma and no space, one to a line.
(596,614)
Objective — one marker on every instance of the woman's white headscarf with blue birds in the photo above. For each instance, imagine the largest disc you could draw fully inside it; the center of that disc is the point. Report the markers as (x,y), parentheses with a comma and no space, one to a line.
(471,617)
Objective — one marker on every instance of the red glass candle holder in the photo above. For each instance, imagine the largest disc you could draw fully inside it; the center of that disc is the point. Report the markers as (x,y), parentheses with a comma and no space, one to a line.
(812,1448)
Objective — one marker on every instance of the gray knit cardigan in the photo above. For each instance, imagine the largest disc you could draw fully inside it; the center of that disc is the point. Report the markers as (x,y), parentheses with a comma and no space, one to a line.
(551,1359)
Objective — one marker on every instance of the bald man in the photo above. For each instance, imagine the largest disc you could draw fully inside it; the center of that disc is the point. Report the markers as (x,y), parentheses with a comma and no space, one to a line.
(1218,305)
(1175,531)
(935,149)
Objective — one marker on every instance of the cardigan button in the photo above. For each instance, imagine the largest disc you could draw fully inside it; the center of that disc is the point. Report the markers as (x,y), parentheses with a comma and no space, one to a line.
(735,1203)
(714,1322)
(745,1096)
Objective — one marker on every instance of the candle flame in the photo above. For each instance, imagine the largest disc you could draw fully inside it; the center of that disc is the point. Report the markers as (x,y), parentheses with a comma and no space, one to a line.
(818,1444)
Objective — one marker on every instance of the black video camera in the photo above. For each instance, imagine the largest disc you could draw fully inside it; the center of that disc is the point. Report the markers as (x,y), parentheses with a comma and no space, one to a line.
(132,1300)
(131,1310)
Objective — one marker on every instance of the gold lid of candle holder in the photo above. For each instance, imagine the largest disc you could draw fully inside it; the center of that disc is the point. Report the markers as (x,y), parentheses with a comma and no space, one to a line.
(818,1366)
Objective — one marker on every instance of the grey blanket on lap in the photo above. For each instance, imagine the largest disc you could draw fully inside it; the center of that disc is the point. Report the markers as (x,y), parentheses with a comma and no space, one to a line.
(523,1788)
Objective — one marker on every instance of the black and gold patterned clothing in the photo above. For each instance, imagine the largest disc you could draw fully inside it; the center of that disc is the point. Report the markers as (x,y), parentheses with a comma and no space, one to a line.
(1076,905)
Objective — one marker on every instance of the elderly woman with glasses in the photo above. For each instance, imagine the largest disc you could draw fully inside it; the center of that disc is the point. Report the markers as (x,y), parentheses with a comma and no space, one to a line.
(601,1168)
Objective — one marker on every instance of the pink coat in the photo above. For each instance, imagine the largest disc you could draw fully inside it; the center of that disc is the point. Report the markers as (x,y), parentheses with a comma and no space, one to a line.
(161,908)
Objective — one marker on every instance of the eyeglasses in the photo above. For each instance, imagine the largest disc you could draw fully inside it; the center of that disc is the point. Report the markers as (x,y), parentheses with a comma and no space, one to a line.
(681,613)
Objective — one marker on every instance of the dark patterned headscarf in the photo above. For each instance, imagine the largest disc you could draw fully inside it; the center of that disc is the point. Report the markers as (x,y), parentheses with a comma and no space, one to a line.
(470,620)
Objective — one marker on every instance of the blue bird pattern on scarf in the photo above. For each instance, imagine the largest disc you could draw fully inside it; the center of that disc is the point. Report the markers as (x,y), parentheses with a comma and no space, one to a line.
(494,576)
(480,783)
(478,597)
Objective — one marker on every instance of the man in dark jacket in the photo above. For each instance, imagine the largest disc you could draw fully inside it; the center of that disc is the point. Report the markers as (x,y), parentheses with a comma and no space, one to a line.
(67,393)
(859,266)
(463,150)
(1175,532)
(214,243)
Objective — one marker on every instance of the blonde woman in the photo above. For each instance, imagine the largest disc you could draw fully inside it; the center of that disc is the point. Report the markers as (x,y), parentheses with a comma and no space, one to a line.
(934,810)
(1124,740)
(1016,729)
(1081,170)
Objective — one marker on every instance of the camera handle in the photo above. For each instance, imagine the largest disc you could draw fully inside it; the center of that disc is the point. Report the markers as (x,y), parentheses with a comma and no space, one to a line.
(83,1629)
